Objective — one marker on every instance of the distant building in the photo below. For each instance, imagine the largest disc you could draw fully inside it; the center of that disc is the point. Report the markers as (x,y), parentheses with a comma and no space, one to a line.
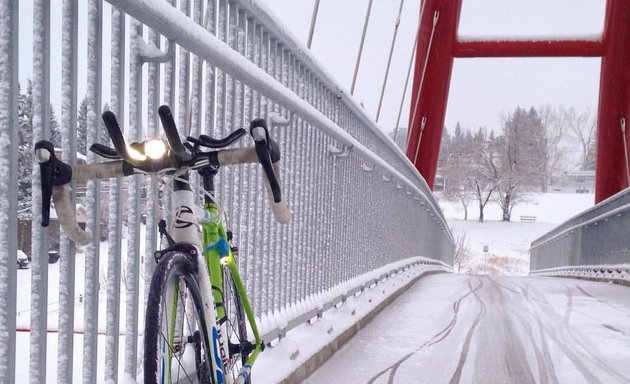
(575,181)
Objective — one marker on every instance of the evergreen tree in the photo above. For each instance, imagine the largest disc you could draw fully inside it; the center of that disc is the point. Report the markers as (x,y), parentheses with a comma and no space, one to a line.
(445,149)
(589,162)
(55,131)
(82,126)
(104,136)
(25,152)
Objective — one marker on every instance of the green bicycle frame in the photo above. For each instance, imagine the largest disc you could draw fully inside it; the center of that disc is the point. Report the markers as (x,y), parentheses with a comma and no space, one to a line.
(214,234)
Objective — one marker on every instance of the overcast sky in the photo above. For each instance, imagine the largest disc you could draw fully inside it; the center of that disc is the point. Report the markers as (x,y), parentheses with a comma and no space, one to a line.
(481,89)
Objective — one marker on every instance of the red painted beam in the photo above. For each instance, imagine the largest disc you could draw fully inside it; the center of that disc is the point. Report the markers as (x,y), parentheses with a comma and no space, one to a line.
(534,48)
(614,101)
(431,84)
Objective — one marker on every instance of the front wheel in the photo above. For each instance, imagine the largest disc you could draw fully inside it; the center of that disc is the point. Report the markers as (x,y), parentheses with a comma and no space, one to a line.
(176,343)
(234,329)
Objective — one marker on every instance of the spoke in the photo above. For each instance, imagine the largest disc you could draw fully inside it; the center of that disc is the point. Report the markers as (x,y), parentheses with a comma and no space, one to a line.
(172,352)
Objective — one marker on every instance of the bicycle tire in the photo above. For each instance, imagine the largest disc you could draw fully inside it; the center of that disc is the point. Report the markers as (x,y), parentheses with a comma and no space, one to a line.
(176,343)
(235,326)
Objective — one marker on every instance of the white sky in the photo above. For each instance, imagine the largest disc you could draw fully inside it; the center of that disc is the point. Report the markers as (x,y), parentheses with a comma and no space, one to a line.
(481,89)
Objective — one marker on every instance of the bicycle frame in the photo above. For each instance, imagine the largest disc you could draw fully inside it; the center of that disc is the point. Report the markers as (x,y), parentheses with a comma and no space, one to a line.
(216,254)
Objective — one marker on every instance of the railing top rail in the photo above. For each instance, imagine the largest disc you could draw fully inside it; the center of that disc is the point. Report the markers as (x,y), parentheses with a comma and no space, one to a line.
(614,204)
(266,18)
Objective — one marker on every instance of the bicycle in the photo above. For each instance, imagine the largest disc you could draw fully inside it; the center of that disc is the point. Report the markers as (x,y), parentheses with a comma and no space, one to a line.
(198,312)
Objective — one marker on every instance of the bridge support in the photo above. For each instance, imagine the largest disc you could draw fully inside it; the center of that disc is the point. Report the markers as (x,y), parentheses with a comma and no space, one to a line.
(432,76)
(438,45)
(614,102)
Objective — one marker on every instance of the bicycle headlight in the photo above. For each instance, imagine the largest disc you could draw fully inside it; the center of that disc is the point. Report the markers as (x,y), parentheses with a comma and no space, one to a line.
(154,148)
(135,154)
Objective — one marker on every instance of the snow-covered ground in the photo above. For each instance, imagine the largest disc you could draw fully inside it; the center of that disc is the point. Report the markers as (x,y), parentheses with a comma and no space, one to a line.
(508,242)
(24,317)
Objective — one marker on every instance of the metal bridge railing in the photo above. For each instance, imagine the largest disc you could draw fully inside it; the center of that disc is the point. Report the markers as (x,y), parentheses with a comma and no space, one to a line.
(358,205)
(595,244)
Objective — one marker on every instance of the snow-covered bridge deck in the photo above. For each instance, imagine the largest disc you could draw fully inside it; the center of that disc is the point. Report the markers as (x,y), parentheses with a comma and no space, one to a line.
(490,329)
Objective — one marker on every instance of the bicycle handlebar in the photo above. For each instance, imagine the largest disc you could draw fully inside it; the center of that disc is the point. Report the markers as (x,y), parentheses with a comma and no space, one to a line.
(57,175)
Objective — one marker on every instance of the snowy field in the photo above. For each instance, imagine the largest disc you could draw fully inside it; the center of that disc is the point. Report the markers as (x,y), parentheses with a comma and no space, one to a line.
(24,317)
(508,242)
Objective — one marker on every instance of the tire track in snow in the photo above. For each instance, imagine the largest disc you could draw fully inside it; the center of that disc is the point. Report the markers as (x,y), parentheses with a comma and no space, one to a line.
(586,350)
(546,369)
(438,337)
(615,307)
(466,347)
(546,324)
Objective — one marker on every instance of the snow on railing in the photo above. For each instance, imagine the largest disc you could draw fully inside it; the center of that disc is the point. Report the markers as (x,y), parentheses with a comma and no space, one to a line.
(593,244)
(360,209)
(617,273)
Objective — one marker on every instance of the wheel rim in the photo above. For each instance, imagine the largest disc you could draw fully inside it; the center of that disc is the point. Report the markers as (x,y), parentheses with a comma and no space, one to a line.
(234,327)
(183,355)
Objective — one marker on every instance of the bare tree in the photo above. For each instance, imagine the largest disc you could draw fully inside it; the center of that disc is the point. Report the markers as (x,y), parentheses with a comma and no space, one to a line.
(582,125)
(462,250)
(483,178)
(522,158)
(455,167)
(554,122)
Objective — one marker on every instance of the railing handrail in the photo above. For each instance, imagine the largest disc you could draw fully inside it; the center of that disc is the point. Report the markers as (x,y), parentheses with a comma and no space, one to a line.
(591,214)
(266,17)
(203,43)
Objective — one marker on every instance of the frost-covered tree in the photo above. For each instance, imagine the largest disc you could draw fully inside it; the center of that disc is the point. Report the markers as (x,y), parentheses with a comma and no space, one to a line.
(82,126)
(583,126)
(521,155)
(589,161)
(104,136)
(483,178)
(456,166)
(25,151)
(55,131)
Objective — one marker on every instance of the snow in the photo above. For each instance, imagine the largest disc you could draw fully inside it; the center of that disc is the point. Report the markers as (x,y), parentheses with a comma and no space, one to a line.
(509,242)
(546,37)
(508,254)
(491,329)
(23,320)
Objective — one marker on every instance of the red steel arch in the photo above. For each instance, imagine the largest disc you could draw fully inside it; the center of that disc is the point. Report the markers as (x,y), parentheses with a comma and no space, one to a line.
(438,46)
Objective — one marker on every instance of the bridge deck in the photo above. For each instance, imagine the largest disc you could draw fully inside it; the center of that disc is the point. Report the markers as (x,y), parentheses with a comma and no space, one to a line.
(491,329)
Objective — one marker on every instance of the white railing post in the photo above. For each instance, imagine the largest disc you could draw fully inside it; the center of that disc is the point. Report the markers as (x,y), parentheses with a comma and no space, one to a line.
(39,245)
(67,249)
(93,192)
(9,14)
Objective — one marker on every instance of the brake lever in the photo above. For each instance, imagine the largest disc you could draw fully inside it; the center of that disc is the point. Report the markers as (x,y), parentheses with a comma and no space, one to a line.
(53,172)
(263,143)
